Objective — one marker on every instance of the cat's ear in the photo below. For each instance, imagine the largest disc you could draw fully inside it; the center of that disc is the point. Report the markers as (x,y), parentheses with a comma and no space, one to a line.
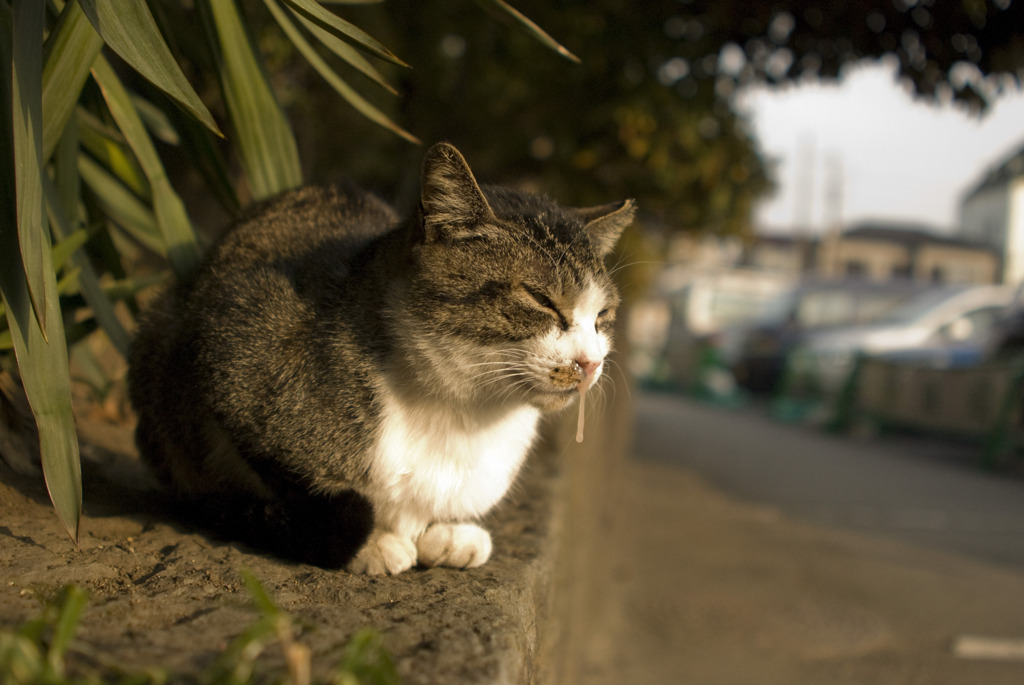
(606,223)
(450,196)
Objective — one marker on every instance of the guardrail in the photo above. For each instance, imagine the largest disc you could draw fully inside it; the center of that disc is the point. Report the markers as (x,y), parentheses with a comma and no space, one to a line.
(982,402)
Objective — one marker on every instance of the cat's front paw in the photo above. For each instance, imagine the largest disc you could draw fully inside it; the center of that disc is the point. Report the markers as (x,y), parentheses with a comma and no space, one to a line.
(459,545)
(384,553)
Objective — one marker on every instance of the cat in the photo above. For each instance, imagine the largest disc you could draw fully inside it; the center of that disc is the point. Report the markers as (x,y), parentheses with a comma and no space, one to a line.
(340,387)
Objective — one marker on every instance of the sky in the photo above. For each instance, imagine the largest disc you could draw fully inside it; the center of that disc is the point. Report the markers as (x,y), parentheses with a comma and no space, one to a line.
(890,157)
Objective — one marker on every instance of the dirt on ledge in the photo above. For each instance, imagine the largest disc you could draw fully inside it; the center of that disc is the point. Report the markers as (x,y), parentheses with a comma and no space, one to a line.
(164,595)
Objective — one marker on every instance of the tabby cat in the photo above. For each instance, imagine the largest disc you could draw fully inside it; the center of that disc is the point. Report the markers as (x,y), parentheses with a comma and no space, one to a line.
(340,387)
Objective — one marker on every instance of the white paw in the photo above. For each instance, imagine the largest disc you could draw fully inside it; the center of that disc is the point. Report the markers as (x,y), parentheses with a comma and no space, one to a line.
(384,553)
(459,545)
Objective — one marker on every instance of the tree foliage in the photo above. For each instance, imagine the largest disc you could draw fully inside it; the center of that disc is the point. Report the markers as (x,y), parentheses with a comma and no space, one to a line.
(648,111)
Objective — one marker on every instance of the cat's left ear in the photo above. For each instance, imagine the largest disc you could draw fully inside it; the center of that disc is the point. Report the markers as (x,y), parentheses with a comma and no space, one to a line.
(450,197)
(606,223)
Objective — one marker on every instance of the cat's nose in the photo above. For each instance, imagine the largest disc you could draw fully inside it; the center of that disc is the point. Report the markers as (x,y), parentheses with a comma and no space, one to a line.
(587,367)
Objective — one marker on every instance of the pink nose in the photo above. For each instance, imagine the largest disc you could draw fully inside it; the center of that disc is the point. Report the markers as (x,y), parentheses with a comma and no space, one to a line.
(588,367)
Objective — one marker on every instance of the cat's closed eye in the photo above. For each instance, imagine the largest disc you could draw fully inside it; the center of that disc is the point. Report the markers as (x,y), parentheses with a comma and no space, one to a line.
(605,317)
(545,303)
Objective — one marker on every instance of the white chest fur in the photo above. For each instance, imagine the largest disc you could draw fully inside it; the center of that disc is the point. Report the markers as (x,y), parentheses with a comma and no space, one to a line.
(436,464)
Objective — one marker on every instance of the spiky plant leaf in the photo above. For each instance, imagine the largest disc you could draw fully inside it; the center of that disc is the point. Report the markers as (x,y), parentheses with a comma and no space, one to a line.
(335,24)
(42,359)
(130,30)
(70,49)
(503,8)
(343,50)
(121,205)
(172,219)
(262,134)
(357,101)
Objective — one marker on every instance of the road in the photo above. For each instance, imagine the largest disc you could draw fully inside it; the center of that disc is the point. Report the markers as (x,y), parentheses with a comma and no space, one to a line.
(927,492)
(743,551)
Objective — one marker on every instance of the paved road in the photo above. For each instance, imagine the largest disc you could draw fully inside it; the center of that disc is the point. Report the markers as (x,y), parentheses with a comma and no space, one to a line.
(924,491)
(920,557)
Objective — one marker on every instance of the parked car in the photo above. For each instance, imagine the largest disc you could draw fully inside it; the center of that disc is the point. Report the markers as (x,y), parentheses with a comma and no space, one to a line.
(803,310)
(948,325)
(1007,338)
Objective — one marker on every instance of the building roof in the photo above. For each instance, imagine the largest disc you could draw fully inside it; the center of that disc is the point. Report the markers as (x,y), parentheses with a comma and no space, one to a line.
(999,174)
(911,235)
(908,234)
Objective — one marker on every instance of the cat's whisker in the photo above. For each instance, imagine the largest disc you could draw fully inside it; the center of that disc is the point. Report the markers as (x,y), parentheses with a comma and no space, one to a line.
(615,366)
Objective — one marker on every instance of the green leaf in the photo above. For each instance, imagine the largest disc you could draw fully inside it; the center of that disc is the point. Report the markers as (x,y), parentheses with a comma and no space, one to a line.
(26,107)
(70,605)
(367,660)
(130,287)
(109,147)
(172,219)
(130,30)
(502,7)
(263,135)
(338,26)
(336,82)
(66,246)
(88,281)
(156,121)
(259,594)
(207,157)
(70,48)
(62,197)
(121,205)
(340,48)
(42,362)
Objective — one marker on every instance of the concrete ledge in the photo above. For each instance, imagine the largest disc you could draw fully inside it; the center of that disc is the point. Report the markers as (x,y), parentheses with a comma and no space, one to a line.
(171,597)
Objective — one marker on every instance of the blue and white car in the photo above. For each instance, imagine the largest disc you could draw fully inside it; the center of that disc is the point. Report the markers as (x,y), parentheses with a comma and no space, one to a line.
(944,325)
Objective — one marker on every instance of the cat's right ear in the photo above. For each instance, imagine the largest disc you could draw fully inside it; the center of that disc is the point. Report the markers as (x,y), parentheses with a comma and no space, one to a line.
(450,199)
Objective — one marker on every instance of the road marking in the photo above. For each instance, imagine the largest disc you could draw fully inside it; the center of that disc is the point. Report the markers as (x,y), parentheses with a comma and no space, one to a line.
(991,648)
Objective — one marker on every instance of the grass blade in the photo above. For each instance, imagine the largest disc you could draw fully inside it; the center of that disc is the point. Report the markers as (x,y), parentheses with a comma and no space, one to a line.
(336,82)
(341,28)
(69,605)
(70,49)
(502,7)
(172,219)
(264,138)
(130,30)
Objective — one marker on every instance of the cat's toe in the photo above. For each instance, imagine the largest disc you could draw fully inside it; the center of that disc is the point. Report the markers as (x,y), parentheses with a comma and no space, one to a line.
(384,553)
(459,545)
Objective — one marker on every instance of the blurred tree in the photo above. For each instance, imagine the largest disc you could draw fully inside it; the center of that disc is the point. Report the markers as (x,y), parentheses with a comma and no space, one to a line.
(647,113)
(965,50)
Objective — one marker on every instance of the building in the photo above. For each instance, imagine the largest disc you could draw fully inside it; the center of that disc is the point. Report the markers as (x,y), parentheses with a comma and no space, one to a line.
(880,251)
(992,214)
